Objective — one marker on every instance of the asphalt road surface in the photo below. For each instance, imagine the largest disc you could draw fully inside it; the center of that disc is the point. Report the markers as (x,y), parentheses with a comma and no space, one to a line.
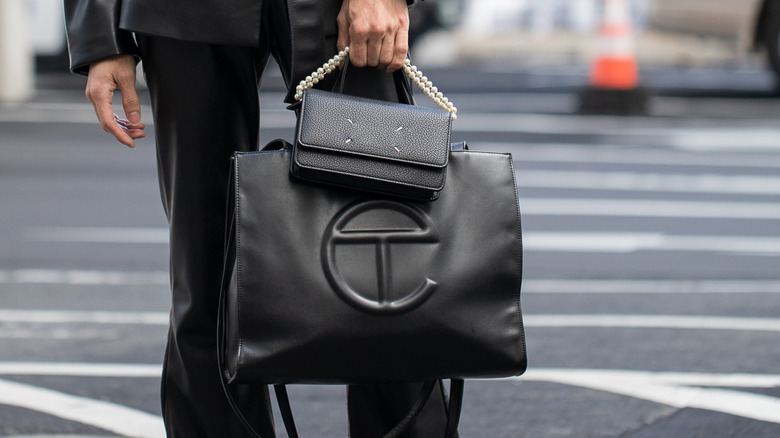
(652,264)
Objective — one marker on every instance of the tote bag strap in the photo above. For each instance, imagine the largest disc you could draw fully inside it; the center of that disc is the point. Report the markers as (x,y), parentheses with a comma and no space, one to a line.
(453,409)
(283,400)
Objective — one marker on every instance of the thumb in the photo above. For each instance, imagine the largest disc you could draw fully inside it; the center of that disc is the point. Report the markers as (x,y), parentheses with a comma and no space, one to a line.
(130,102)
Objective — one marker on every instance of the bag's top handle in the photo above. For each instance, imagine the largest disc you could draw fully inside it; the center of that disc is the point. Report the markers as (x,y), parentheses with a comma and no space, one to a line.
(412,71)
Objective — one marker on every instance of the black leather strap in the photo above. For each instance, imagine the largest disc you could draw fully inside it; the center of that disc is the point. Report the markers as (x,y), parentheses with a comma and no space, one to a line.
(422,398)
(284,407)
(453,409)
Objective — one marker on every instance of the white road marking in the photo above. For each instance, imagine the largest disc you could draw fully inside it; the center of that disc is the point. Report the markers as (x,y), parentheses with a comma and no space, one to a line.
(108,416)
(84,277)
(87,317)
(57,333)
(707,138)
(649,182)
(678,389)
(620,154)
(532,285)
(80,369)
(99,235)
(654,321)
(681,390)
(713,139)
(534,241)
(591,286)
(648,208)
(531,320)
(631,242)
(36,112)
(57,436)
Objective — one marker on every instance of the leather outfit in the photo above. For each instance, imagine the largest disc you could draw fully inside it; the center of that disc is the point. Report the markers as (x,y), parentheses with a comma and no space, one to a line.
(203,66)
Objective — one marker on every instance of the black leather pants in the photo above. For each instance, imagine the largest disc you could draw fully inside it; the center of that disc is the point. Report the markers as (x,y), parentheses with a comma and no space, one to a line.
(205,106)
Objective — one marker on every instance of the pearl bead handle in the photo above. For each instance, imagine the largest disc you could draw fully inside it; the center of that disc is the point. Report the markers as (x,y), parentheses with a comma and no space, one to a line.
(411,71)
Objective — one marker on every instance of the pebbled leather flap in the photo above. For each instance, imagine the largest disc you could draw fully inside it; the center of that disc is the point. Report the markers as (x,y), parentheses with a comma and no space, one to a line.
(391,131)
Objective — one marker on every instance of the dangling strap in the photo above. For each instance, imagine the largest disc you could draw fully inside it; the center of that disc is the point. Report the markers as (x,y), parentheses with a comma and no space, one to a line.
(284,407)
(453,409)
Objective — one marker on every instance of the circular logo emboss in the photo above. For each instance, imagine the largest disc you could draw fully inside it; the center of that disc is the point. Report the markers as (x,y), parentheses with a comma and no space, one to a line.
(383,237)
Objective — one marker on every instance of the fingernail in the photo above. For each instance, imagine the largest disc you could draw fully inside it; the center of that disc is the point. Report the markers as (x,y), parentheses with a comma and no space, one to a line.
(134,117)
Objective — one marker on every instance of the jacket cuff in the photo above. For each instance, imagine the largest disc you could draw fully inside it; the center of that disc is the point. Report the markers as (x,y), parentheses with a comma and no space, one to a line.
(93,33)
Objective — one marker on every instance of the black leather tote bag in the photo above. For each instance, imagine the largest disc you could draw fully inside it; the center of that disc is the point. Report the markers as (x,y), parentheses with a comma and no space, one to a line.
(337,286)
(375,277)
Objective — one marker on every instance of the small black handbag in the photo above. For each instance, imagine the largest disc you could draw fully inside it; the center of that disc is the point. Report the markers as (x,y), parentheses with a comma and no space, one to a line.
(368,144)
(333,285)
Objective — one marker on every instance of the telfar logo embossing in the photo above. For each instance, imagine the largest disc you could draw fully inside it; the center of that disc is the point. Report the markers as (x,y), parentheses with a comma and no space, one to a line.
(382,224)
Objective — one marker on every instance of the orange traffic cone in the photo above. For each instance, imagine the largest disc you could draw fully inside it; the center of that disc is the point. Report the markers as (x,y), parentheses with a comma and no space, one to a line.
(614,77)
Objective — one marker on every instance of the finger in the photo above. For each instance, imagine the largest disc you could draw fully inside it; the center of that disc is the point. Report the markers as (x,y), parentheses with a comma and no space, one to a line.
(401,44)
(386,52)
(343,25)
(374,50)
(100,96)
(130,102)
(357,53)
(126,123)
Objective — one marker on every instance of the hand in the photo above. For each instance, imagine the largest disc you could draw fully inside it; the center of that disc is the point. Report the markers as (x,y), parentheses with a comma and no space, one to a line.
(105,76)
(376,31)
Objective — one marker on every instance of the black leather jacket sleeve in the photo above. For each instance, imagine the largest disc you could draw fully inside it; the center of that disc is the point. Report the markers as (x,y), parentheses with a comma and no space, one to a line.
(93,32)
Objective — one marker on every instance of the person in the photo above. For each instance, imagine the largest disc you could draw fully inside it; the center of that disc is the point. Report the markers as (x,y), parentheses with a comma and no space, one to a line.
(202,60)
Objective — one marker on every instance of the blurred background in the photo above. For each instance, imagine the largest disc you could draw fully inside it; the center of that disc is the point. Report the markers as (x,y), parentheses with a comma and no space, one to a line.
(682,34)
(646,147)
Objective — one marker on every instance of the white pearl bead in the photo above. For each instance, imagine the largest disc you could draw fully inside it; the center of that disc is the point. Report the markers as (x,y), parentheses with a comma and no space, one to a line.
(418,73)
(320,71)
(437,100)
(427,90)
(424,78)
(444,99)
(414,68)
(439,94)
(429,84)
(454,110)
(454,117)
(450,105)
(315,81)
